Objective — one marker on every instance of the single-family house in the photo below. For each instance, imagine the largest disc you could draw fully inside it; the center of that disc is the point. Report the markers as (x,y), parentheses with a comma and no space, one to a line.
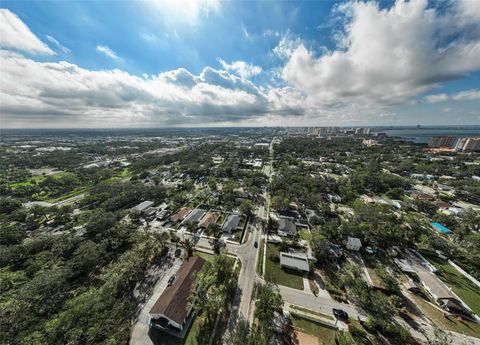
(180,214)
(210,218)
(286,227)
(194,216)
(173,310)
(231,223)
(294,261)
(143,206)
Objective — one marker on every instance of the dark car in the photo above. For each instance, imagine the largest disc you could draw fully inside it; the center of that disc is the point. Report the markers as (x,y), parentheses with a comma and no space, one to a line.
(178,252)
(340,314)
(171,280)
(255,244)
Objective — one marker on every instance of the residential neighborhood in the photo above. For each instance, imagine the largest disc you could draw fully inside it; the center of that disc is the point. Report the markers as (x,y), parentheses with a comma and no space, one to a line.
(310,247)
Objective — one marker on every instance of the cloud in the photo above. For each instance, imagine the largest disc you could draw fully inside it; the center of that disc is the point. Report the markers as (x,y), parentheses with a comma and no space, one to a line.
(384,56)
(440,97)
(243,69)
(467,95)
(59,46)
(287,46)
(108,52)
(14,34)
(60,92)
(186,11)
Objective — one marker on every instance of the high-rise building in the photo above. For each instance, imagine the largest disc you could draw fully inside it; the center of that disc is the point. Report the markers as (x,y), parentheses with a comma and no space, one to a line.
(472,144)
(443,141)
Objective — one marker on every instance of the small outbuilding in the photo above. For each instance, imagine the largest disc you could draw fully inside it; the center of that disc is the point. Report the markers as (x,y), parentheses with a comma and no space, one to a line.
(354,243)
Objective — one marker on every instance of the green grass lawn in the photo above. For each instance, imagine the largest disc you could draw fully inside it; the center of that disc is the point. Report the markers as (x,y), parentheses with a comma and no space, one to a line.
(260,258)
(277,275)
(304,235)
(193,333)
(204,256)
(325,335)
(463,287)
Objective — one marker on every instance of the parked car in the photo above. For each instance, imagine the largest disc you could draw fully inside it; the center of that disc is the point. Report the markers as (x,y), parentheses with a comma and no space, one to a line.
(340,314)
(255,244)
(171,280)
(178,252)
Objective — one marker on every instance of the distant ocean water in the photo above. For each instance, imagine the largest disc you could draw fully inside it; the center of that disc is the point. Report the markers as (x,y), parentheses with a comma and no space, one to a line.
(423,135)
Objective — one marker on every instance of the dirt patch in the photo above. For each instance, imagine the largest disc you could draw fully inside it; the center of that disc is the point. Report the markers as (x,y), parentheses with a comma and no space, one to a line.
(306,339)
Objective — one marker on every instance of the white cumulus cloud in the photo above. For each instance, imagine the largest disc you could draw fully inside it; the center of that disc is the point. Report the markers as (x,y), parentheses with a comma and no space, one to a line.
(384,56)
(466,95)
(242,68)
(15,34)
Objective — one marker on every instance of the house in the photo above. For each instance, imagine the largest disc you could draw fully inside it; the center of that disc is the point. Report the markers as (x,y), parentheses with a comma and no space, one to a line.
(286,227)
(354,243)
(194,216)
(210,218)
(231,223)
(173,310)
(180,214)
(150,213)
(411,286)
(143,206)
(294,261)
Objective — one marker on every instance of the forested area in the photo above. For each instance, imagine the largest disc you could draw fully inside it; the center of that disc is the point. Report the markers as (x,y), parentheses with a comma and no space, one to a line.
(70,289)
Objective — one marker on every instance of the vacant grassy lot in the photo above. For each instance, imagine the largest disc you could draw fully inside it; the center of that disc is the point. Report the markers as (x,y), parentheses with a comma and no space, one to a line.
(325,335)
(277,275)
(205,256)
(464,288)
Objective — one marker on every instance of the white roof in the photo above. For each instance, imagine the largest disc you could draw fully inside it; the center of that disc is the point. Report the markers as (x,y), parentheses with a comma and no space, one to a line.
(298,261)
(143,205)
(355,241)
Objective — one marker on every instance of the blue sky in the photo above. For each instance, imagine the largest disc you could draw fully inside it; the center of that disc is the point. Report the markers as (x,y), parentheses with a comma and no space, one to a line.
(195,63)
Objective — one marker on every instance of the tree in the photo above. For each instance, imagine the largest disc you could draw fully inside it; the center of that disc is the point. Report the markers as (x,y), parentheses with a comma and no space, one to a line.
(136,217)
(247,207)
(319,245)
(214,229)
(269,302)
(188,246)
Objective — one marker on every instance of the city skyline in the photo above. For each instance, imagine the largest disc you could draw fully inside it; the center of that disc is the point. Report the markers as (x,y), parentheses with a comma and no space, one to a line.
(218,63)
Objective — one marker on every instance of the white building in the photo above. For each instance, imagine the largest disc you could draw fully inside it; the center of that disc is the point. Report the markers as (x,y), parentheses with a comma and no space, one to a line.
(354,243)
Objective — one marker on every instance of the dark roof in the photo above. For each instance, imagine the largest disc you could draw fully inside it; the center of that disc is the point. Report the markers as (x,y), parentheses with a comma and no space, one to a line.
(286,225)
(173,303)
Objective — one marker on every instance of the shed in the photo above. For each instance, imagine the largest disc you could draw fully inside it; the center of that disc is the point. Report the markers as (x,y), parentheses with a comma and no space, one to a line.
(354,243)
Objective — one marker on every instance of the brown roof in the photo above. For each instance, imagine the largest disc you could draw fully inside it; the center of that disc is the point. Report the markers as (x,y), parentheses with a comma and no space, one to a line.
(180,214)
(173,303)
(211,217)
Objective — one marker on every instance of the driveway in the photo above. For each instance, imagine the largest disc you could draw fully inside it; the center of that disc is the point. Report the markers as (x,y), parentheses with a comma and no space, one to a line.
(321,304)
(140,332)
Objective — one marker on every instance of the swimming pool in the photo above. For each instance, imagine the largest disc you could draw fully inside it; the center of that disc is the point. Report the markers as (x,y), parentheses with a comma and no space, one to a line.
(441,228)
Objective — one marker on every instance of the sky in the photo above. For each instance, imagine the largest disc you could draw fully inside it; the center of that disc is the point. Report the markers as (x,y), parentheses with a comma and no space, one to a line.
(189,63)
